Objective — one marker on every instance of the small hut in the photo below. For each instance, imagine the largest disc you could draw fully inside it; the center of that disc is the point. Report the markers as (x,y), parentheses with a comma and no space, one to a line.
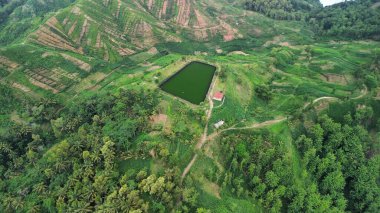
(218,96)
(219,124)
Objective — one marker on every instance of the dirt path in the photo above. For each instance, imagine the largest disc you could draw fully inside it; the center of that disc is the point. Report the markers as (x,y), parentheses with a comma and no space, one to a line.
(364,92)
(258,125)
(320,99)
(211,137)
(253,126)
(203,139)
(209,113)
(220,104)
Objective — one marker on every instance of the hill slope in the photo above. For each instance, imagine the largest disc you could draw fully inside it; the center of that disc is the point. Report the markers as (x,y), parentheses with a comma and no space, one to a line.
(84,126)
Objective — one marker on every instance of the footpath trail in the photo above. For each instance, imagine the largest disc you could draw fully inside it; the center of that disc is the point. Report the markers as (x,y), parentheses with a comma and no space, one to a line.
(205,137)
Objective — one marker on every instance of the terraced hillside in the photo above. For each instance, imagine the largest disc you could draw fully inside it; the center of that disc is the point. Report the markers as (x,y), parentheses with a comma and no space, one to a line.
(111,29)
(20,17)
(79,46)
(85,126)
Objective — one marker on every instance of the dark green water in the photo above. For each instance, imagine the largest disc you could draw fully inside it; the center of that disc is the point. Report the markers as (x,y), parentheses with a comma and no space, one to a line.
(191,83)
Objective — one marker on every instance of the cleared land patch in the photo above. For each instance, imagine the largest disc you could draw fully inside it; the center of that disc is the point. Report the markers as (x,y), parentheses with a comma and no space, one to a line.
(81,64)
(7,63)
(335,78)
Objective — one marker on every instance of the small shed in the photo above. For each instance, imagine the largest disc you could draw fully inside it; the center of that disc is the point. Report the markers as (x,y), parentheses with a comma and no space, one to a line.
(218,96)
(219,124)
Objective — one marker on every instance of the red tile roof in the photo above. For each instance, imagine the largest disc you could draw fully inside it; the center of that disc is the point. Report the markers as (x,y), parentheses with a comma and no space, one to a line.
(218,96)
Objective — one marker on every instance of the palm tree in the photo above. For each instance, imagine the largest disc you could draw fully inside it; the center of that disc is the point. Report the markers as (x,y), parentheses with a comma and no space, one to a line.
(95,157)
(83,207)
(7,149)
(77,146)
(40,188)
(13,203)
(35,209)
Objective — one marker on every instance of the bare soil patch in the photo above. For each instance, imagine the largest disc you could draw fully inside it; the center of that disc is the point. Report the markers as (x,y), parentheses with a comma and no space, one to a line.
(118,8)
(45,36)
(328,66)
(153,68)
(85,27)
(43,85)
(278,40)
(323,104)
(219,51)
(164,9)
(81,64)
(124,52)
(72,28)
(16,118)
(21,87)
(183,17)
(257,31)
(212,188)
(150,4)
(98,41)
(8,64)
(153,51)
(159,119)
(200,19)
(46,79)
(47,54)
(238,53)
(335,78)
(90,81)
(375,5)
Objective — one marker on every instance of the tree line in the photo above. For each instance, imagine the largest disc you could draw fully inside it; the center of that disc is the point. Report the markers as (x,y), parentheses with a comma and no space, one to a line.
(68,160)
(338,171)
(350,19)
(283,9)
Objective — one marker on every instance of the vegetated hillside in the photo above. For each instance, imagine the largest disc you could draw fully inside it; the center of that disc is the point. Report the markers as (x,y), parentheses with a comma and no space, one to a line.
(18,17)
(352,19)
(284,9)
(116,28)
(78,47)
(84,126)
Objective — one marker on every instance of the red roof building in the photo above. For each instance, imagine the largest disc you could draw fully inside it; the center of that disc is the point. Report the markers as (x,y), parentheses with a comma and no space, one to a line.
(218,96)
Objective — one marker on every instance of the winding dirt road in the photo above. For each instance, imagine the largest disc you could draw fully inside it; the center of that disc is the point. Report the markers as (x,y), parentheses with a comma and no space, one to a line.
(205,137)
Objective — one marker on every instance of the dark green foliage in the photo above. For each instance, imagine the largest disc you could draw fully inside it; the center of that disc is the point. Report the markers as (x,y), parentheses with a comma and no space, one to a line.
(283,9)
(16,20)
(259,169)
(339,168)
(7,7)
(335,153)
(7,99)
(350,19)
(264,93)
(79,171)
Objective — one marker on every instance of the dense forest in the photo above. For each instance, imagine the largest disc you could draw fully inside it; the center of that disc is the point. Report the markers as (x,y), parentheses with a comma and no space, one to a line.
(19,16)
(80,169)
(350,19)
(341,169)
(68,159)
(283,9)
